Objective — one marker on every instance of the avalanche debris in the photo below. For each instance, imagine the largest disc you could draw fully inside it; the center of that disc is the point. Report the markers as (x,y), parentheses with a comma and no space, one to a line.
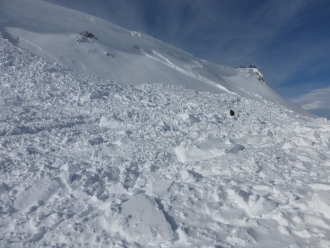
(88,162)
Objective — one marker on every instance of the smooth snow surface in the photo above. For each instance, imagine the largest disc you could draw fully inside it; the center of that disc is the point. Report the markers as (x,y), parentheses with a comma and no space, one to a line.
(87,162)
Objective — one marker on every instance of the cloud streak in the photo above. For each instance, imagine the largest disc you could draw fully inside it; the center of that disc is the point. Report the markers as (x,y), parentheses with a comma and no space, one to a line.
(317,102)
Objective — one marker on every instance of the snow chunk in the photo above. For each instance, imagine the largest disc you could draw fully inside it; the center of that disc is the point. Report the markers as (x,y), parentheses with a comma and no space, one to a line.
(144,222)
(163,126)
(194,153)
(320,121)
(39,235)
(270,134)
(72,168)
(157,188)
(236,149)
(320,186)
(10,101)
(262,206)
(188,118)
(41,190)
(321,202)
(200,151)
(188,175)
(113,123)
(118,189)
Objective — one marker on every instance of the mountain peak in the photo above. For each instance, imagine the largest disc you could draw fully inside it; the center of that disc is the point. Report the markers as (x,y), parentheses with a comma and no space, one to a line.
(252,72)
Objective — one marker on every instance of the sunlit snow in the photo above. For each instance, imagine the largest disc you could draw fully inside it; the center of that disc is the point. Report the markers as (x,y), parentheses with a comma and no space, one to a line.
(148,155)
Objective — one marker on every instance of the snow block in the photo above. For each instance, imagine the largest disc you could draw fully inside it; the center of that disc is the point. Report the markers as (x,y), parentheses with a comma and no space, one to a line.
(262,206)
(188,118)
(321,202)
(236,149)
(194,153)
(144,221)
(320,121)
(118,189)
(270,134)
(41,190)
(110,123)
(159,187)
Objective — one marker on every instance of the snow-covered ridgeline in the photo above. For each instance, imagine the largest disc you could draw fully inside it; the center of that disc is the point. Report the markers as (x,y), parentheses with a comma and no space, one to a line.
(122,56)
(89,162)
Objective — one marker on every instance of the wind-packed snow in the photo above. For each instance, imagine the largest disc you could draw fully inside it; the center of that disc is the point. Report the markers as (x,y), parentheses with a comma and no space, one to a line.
(93,161)
(88,162)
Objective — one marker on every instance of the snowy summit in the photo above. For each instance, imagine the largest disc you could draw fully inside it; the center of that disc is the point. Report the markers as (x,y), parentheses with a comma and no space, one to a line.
(111,138)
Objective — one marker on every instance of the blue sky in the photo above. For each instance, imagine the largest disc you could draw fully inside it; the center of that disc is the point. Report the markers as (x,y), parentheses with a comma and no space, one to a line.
(289,41)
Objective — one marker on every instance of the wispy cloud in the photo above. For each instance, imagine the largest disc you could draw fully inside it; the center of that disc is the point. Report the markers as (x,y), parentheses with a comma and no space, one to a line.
(317,102)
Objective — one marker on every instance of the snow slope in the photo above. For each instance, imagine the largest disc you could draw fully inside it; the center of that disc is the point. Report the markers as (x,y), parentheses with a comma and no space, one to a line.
(123,56)
(106,145)
(87,162)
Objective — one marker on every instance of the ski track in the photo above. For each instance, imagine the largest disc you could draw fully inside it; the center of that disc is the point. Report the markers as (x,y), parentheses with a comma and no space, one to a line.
(78,153)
